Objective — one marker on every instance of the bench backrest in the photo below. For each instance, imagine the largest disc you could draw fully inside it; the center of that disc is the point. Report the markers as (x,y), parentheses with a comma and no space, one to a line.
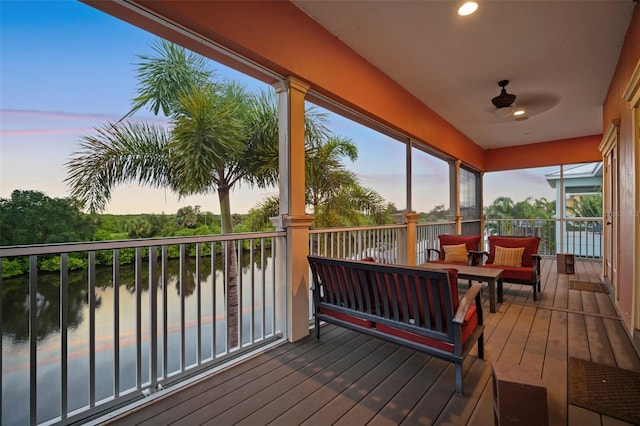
(392,294)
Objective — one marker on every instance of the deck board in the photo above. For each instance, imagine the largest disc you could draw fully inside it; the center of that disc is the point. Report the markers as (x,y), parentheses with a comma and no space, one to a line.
(347,378)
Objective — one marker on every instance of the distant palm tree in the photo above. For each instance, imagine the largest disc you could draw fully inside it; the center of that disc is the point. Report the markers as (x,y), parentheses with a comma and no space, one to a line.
(502,208)
(333,193)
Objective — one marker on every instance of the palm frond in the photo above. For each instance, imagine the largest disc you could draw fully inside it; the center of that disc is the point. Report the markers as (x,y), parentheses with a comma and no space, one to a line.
(208,135)
(164,77)
(118,153)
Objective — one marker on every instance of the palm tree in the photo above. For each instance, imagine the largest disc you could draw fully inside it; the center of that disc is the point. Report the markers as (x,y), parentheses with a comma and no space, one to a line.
(333,193)
(219,135)
(214,142)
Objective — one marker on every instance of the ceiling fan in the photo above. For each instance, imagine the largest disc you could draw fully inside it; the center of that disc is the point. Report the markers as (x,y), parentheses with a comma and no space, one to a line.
(504,103)
(505,108)
(504,99)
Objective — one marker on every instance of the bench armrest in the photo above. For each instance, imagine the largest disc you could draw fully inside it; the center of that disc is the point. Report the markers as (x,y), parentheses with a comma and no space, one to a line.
(466,302)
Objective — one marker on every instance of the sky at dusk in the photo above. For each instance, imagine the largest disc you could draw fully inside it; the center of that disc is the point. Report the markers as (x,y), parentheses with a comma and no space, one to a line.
(66,69)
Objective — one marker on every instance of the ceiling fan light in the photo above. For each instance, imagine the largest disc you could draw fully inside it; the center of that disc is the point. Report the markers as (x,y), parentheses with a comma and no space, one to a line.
(503,112)
(519,112)
(467,8)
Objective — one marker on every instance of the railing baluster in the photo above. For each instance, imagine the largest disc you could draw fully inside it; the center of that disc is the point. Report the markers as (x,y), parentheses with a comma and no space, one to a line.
(33,338)
(116,322)
(1,349)
(64,315)
(240,292)
(214,308)
(165,312)
(138,287)
(198,306)
(253,292)
(275,305)
(92,328)
(183,329)
(225,267)
(153,317)
(263,263)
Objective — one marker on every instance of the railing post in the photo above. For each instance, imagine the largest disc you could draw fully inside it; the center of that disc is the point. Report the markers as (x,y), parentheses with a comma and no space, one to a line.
(459,224)
(407,237)
(411,219)
(402,241)
(297,275)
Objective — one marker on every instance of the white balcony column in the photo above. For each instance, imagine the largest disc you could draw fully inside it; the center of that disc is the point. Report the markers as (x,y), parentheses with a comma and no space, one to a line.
(294,220)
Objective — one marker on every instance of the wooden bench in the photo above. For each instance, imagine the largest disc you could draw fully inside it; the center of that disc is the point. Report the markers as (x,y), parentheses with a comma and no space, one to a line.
(413,307)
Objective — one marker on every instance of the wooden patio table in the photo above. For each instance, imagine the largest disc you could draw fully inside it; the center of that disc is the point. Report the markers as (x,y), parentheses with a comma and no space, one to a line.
(491,276)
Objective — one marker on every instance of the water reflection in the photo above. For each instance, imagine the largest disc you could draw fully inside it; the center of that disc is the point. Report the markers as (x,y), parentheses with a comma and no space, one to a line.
(15,333)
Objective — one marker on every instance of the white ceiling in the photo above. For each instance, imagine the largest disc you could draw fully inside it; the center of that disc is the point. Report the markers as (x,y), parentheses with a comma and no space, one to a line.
(559,56)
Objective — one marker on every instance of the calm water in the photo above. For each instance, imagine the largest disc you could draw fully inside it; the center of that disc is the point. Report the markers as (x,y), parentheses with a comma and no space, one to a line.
(15,333)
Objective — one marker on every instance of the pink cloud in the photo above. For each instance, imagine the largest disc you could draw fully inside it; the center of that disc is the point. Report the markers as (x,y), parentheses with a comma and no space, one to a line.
(65,115)
(45,132)
(59,115)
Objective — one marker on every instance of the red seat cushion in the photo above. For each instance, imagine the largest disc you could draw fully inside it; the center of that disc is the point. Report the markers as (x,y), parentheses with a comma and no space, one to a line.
(472,242)
(522,273)
(469,324)
(530,245)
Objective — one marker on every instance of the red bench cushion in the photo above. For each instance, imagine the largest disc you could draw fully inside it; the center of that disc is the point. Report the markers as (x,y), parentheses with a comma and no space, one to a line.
(530,245)
(469,324)
(348,318)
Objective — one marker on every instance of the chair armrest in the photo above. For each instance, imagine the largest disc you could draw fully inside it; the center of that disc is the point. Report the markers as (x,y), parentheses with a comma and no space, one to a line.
(536,260)
(431,250)
(478,255)
(466,302)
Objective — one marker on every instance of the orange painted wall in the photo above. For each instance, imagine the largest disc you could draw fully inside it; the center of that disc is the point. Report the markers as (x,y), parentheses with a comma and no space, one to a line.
(616,108)
(552,153)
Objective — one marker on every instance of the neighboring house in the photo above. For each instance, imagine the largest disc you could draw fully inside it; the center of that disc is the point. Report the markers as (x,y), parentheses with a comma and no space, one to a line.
(581,239)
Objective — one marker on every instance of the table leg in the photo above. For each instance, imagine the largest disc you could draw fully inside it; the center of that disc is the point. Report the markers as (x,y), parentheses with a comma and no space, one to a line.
(500,290)
(492,294)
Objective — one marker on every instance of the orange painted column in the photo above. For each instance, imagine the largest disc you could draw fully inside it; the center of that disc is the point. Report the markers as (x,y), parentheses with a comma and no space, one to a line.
(291,96)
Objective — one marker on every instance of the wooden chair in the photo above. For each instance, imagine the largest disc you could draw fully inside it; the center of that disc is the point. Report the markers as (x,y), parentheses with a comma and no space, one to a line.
(528,271)
(472,242)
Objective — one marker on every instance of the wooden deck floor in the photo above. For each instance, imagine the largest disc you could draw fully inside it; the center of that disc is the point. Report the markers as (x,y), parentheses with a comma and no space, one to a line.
(350,379)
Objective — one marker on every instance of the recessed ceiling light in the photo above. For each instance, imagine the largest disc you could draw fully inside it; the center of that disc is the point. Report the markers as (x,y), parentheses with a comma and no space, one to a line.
(468,8)
(519,112)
